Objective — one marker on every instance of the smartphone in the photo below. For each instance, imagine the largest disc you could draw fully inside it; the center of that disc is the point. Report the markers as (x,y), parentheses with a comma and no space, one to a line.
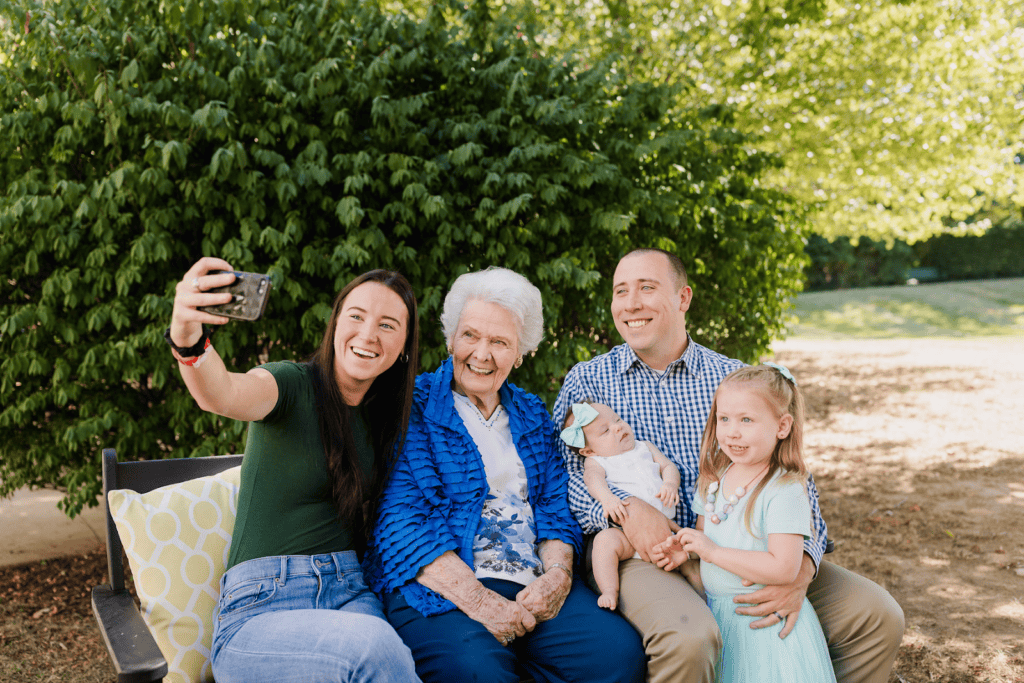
(250,292)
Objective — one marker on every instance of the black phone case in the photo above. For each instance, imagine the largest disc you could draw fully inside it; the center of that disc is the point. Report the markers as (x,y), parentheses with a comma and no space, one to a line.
(251,291)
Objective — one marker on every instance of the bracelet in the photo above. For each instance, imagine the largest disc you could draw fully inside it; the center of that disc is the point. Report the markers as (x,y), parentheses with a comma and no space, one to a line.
(196,349)
(195,361)
(559,565)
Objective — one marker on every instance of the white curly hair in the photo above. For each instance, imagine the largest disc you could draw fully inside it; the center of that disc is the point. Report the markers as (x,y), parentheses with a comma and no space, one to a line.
(504,287)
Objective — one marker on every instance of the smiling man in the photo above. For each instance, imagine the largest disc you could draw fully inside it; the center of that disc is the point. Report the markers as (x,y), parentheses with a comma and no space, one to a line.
(662,383)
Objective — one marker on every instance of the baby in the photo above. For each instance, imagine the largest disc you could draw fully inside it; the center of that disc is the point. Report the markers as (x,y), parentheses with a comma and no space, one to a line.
(612,456)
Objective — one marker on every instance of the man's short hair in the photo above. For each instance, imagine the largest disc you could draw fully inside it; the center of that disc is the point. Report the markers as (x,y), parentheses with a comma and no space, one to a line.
(674,261)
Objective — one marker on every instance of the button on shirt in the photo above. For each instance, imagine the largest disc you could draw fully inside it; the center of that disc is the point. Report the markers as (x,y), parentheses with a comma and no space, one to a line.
(668,408)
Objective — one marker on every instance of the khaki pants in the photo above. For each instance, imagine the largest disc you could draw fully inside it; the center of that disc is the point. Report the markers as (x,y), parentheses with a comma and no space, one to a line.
(863,625)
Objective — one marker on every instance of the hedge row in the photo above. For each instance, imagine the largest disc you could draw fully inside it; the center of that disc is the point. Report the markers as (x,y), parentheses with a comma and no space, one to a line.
(840,264)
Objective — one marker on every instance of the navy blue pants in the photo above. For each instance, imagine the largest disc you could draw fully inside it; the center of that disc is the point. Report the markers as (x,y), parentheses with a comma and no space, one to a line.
(584,643)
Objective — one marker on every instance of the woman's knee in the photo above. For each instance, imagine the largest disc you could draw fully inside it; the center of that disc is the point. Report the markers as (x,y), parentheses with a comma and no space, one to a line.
(382,643)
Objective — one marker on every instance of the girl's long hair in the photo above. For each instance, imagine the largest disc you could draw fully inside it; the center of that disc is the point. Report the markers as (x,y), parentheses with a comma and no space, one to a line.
(784,397)
(386,408)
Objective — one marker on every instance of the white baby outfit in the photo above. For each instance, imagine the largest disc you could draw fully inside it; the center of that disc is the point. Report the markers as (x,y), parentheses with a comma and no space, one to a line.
(636,473)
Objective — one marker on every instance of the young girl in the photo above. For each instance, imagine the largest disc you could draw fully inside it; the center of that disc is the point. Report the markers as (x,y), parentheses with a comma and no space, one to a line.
(753,516)
(613,456)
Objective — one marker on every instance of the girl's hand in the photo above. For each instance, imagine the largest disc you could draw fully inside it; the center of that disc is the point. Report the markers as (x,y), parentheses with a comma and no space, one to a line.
(186,320)
(694,541)
(669,495)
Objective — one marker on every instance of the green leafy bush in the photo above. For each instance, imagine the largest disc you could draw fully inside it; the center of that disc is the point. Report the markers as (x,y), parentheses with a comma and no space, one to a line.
(313,142)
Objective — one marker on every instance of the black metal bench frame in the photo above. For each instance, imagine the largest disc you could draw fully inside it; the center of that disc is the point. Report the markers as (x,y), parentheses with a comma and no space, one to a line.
(131,646)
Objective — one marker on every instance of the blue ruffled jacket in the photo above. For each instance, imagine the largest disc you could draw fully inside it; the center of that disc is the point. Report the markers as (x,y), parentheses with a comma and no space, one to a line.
(433,500)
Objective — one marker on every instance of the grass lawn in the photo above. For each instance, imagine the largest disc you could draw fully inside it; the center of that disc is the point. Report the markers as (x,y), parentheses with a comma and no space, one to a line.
(948,309)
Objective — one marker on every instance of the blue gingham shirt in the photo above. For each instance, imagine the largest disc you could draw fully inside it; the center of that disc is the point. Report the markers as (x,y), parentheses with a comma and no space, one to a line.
(669,409)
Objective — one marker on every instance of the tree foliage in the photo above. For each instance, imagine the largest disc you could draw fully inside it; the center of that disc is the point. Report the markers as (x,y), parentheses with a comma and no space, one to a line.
(313,142)
(896,118)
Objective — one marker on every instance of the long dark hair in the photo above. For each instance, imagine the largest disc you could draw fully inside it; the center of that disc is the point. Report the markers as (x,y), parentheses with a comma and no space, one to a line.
(386,408)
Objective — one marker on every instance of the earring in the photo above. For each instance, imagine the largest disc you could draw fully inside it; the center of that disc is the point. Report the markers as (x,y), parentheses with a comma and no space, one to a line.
(519,361)
(404,357)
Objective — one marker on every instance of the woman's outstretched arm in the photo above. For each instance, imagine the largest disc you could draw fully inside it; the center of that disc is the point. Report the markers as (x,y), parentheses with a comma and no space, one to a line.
(240,396)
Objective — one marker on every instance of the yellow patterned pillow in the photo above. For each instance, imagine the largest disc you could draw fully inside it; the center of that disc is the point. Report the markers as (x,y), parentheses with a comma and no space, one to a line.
(177,540)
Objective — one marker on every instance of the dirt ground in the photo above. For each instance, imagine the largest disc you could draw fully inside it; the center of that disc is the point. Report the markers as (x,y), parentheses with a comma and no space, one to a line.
(918,450)
(917,447)
(47,631)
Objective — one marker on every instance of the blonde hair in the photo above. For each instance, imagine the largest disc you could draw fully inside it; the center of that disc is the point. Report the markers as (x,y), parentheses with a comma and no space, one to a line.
(784,398)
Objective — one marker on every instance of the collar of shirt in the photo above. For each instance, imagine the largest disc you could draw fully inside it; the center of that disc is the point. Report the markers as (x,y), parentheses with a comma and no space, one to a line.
(690,362)
(439,406)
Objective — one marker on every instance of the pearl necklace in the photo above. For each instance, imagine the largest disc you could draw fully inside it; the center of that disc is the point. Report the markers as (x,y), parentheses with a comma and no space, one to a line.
(730,501)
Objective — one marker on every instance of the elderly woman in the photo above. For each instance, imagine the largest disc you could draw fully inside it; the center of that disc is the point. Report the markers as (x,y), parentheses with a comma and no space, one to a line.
(473,549)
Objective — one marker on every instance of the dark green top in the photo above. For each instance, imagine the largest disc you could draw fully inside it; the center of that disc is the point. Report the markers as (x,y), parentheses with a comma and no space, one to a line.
(285,505)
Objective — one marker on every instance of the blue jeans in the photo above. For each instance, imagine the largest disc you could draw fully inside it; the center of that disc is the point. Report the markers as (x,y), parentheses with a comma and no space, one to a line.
(583,644)
(304,618)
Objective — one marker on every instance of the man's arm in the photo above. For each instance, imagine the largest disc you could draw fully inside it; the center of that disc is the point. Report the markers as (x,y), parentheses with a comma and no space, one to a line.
(815,547)
(786,600)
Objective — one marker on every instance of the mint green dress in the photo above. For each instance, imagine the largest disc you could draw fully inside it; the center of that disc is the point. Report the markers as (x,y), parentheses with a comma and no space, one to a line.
(759,655)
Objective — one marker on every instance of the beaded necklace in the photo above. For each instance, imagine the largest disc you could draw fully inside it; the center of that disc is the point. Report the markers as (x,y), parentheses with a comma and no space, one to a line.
(730,501)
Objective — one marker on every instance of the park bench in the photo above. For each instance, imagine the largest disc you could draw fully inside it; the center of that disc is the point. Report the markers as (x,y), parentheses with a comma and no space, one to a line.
(132,647)
(916,275)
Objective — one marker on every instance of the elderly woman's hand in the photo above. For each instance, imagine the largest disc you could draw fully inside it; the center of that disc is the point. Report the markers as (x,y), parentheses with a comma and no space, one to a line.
(544,597)
(506,620)
(452,578)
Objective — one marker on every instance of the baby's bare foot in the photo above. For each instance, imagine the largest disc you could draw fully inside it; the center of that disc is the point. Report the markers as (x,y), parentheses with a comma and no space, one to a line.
(607,600)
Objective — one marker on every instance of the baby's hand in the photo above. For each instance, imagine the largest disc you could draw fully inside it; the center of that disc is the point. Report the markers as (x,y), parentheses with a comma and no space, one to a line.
(672,553)
(614,510)
(669,495)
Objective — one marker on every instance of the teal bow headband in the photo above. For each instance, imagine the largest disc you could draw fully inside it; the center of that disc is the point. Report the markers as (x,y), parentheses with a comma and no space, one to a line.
(583,414)
(783,370)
